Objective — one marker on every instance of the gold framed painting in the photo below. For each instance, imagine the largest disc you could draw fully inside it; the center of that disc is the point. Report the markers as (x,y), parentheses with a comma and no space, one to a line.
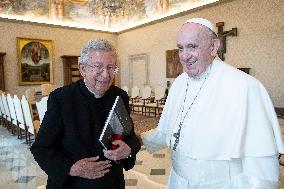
(35,58)
(173,67)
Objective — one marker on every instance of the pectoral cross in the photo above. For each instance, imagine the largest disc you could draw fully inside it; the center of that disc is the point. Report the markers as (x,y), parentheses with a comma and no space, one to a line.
(177,136)
(222,36)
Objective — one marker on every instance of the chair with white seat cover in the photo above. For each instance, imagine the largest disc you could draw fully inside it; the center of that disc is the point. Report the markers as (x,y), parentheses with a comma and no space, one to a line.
(156,106)
(13,114)
(33,126)
(134,96)
(146,95)
(20,117)
(41,108)
(2,111)
(6,112)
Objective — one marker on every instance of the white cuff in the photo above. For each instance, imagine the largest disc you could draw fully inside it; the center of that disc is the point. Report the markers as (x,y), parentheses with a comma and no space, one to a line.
(255,183)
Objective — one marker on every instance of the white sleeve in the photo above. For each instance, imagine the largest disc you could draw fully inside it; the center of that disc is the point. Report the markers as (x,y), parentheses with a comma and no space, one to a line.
(159,137)
(261,172)
(154,140)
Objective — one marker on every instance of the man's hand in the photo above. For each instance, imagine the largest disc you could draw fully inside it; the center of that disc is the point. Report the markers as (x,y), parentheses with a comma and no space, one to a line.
(122,152)
(90,168)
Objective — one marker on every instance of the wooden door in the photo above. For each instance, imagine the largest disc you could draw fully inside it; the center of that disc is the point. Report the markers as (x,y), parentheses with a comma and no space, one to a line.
(2,78)
(70,69)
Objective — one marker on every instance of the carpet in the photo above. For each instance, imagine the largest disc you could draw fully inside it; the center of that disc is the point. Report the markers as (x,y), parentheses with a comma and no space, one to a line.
(143,123)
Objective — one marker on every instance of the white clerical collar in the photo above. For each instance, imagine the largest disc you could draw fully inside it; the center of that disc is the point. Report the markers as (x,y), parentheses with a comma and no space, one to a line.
(95,94)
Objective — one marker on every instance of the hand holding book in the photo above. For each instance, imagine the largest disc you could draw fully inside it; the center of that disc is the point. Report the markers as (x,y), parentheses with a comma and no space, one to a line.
(116,137)
(122,152)
(117,123)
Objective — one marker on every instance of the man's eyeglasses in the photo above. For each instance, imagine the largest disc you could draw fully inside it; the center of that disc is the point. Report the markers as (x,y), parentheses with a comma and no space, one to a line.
(112,69)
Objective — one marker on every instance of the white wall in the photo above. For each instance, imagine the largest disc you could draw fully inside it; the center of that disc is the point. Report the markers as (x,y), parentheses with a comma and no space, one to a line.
(259,44)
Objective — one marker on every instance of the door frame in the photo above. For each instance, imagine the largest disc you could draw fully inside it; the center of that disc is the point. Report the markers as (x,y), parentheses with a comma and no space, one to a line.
(131,59)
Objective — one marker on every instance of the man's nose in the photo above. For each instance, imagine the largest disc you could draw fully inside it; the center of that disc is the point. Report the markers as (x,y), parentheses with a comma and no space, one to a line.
(185,56)
(105,73)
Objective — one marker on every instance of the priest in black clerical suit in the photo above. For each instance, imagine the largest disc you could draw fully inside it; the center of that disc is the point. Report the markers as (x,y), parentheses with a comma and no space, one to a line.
(67,146)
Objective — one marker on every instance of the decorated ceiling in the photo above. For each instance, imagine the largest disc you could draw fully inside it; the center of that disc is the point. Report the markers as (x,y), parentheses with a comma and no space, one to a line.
(104,15)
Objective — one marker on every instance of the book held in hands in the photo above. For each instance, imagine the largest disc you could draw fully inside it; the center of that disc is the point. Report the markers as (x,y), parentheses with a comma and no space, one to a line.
(117,123)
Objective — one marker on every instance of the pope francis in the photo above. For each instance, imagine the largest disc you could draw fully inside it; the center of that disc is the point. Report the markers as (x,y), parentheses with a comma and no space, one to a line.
(218,121)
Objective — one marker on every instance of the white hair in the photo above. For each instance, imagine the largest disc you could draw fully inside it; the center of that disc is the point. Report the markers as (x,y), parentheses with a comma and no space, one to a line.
(95,45)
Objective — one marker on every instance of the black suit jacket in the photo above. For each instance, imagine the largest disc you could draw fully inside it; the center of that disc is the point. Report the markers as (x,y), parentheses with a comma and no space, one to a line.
(69,132)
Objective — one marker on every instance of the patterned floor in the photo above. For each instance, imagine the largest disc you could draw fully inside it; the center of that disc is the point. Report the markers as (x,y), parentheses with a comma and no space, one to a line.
(18,170)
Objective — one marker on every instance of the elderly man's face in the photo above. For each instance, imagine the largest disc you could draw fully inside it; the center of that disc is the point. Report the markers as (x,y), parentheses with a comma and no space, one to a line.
(98,73)
(196,48)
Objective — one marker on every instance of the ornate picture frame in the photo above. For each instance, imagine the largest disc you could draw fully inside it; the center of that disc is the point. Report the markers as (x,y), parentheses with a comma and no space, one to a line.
(173,67)
(35,59)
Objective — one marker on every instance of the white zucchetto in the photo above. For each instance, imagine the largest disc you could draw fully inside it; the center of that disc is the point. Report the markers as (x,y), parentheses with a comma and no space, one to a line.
(203,22)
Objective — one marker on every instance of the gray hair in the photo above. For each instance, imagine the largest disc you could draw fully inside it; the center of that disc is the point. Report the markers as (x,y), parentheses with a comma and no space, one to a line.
(95,45)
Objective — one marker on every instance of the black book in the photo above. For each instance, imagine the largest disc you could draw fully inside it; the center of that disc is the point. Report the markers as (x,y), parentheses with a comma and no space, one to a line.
(118,122)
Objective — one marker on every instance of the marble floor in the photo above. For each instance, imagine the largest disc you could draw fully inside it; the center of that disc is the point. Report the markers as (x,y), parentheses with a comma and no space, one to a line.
(18,170)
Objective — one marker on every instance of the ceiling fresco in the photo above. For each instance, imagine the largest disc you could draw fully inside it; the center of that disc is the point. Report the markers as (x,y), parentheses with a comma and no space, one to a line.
(104,15)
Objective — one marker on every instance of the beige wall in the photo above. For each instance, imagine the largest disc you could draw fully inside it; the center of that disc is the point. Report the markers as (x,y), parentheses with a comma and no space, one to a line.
(259,44)
(65,42)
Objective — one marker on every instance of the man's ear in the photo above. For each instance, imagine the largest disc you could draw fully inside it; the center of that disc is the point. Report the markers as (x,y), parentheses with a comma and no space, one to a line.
(82,69)
(215,47)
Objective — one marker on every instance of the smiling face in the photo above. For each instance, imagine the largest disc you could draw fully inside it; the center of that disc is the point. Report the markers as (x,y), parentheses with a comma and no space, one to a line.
(98,77)
(197,48)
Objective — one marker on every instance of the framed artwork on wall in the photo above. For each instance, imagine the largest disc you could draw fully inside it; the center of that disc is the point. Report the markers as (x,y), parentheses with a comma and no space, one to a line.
(35,58)
(173,67)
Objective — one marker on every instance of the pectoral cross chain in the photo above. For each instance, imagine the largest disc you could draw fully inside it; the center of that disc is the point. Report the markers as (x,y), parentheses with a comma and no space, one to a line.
(183,115)
(177,135)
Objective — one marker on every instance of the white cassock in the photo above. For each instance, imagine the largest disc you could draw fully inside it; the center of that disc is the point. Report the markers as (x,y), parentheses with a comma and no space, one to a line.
(230,136)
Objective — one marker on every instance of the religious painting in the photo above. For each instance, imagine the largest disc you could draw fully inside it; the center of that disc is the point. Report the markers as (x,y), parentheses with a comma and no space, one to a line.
(34,61)
(173,67)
